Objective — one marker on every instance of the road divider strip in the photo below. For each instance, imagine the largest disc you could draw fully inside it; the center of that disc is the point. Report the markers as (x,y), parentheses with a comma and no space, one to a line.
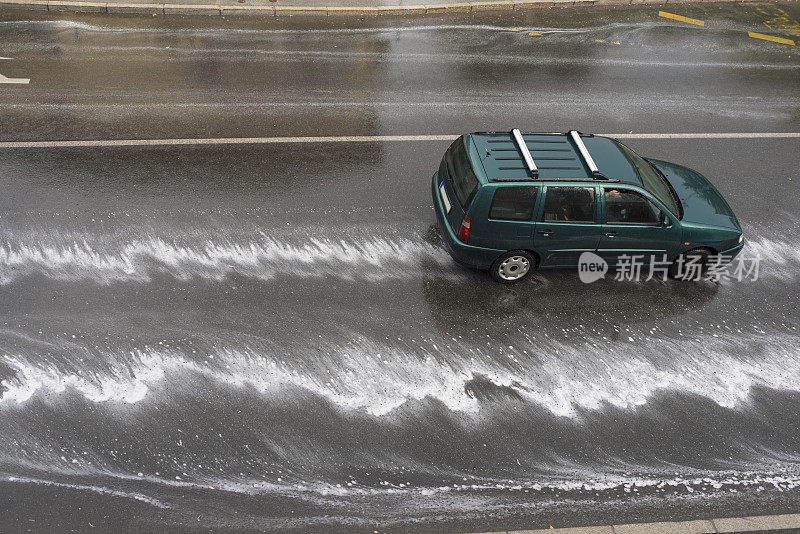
(681,18)
(353,139)
(279,10)
(770,38)
(726,524)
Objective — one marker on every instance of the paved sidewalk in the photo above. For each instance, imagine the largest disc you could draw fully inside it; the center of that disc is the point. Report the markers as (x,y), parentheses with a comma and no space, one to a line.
(305,7)
(762,523)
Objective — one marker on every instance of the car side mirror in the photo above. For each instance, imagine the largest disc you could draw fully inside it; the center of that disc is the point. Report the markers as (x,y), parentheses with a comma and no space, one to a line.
(665,221)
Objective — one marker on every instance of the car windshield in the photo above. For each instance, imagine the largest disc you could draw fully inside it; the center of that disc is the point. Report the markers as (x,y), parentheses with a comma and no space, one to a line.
(652,180)
(465,183)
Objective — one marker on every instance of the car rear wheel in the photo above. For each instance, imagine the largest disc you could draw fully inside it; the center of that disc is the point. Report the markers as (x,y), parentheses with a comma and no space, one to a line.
(513,266)
(698,256)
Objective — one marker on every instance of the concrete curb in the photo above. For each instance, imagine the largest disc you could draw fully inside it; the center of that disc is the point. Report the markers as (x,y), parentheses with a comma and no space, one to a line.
(325,11)
(727,524)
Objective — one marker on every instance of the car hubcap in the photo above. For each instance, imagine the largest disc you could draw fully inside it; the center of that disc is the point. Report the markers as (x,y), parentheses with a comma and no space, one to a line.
(514,267)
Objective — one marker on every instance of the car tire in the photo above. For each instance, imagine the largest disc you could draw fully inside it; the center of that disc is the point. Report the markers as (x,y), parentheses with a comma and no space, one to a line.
(512,267)
(702,255)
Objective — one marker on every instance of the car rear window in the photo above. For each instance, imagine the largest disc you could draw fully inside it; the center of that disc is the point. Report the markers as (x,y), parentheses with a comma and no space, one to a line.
(513,203)
(465,183)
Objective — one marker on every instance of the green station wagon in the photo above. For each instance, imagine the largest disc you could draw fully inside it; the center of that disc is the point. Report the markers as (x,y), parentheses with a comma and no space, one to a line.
(512,202)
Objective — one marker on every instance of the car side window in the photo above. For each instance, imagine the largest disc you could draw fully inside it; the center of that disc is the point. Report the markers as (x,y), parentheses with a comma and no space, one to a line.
(629,207)
(513,203)
(569,204)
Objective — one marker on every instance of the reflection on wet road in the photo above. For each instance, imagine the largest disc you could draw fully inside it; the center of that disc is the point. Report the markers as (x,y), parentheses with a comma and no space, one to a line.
(272,337)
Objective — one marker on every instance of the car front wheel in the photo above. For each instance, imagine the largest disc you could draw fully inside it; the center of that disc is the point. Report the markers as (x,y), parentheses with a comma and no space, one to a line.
(698,256)
(513,266)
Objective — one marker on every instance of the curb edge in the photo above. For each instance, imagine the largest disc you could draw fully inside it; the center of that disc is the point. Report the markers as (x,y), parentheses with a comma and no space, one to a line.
(237,10)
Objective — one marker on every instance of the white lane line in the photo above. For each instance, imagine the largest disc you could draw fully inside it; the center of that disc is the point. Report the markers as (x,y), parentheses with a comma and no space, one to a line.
(3,79)
(353,139)
(733,135)
(224,141)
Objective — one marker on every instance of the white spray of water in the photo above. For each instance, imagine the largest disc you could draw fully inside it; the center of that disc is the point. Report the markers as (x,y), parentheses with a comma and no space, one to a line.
(137,261)
(105,260)
(378,379)
(588,481)
(90,487)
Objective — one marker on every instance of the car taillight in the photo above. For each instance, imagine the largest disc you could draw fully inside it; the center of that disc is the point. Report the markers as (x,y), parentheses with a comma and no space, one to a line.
(463,231)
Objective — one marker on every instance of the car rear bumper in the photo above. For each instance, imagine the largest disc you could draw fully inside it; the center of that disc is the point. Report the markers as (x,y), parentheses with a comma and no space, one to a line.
(476,257)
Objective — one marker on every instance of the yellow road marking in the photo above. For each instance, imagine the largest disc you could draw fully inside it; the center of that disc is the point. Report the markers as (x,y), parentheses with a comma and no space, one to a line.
(534,34)
(782,22)
(680,18)
(771,38)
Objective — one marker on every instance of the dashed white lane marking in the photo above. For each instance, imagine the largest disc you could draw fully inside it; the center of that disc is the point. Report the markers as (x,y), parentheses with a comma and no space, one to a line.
(354,139)
(3,79)
(732,135)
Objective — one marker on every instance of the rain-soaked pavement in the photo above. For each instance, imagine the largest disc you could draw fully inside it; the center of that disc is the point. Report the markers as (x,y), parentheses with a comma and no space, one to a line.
(271,336)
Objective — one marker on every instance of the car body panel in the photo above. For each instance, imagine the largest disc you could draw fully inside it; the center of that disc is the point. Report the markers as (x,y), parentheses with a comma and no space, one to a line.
(701,201)
(468,255)
(732,252)
(657,242)
(712,237)
(556,156)
(650,241)
(560,244)
(456,211)
(499,233)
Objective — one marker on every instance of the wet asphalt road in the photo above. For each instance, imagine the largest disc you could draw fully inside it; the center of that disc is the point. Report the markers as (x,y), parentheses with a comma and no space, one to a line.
(270,337)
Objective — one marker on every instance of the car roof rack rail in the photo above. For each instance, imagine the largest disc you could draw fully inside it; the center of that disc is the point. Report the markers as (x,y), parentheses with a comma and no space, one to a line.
(587,158)
(526,154)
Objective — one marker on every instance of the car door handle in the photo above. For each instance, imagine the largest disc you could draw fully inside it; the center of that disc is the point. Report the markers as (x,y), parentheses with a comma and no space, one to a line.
(546,232)
(610,234)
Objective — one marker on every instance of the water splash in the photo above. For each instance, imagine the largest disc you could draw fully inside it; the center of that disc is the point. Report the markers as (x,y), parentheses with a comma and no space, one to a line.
(113,259)
(137,261)
(377,379)
(89,487)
